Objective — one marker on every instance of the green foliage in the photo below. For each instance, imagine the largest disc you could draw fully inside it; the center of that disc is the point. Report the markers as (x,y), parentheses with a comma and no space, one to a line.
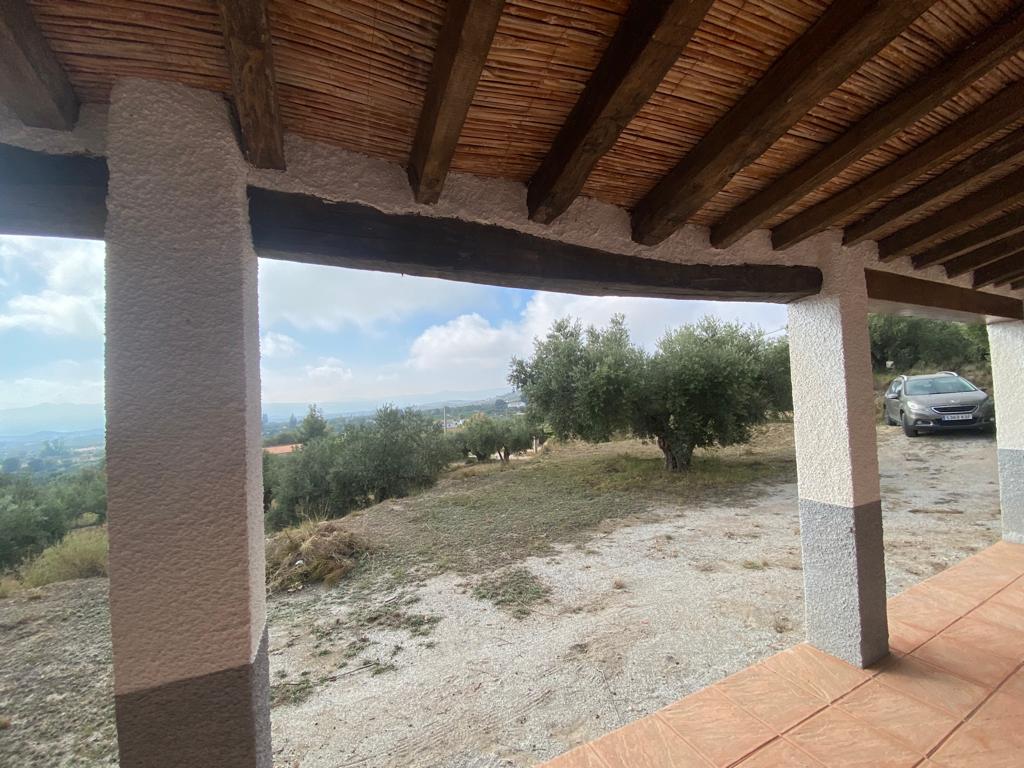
(79,555)
(913,342)
(707,384)
(481,436)
(484,436)
(391,455)
(313,426)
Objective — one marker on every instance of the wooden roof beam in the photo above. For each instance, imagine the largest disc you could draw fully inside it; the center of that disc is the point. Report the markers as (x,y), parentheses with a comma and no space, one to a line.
(648,42)
(251,62)
(466,34)
(892,292)
(994,197)
(849,33)
(923,96)
(1017,284)
(1001,271)
(985,255)
(995,115)
(32,82)
(986,233)
(948,182)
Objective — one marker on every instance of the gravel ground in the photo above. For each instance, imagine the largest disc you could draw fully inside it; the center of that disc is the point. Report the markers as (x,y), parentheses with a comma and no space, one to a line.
(651,608)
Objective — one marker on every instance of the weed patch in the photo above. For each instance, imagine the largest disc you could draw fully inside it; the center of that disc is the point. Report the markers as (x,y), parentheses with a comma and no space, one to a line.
(312,552)
(79,555)
(516,590)
(291,692)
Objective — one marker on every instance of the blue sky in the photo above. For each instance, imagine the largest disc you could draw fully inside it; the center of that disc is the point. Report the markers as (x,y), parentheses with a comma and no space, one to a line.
(327,334)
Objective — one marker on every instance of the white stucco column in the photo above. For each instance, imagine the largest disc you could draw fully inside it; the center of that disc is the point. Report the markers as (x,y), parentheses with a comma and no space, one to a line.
(837,467)
(1006,341)
(183,436)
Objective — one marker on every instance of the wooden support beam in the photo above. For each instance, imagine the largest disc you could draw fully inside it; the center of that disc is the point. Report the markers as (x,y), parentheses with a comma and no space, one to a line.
(32,82)
(1017,285)
(649,40)
(52,195)
(1000,271)
(983,235)
(251,62)
(465,39)
(938,86)
(892,292)
(948,182)
(995,115)
(994,197)
(848,34)
(302,228)
(987,254)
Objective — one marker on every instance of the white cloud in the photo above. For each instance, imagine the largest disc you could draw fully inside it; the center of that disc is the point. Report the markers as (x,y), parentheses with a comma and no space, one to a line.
(326,380)
(70,301)
(278,346)
(63,381)
(312,297)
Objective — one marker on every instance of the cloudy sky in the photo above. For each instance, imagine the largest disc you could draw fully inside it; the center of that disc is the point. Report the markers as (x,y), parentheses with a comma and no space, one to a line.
(327,334)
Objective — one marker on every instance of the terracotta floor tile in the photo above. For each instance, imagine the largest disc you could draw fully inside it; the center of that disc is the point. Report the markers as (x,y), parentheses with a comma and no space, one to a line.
(647,743)
(778,754)
(1005,554)
(1015,685)
(841,741)
(816,672)
(975,578)
(716,727)
(966,660)
(923,609)
(906,637)
(985,760)
(1012,596)
(988,637)
(917,725)
(998,613)
(1002,706)
(932,685)
(770,697)
(581,757)
(989,737)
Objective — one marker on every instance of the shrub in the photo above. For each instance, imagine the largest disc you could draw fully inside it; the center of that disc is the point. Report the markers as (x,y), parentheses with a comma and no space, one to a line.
(79,555)
(314,551)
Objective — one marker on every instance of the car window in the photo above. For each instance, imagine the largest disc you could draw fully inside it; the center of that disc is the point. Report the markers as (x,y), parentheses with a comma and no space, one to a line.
(940,385)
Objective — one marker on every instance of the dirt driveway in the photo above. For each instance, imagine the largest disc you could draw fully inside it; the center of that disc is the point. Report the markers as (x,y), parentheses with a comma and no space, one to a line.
(427,674)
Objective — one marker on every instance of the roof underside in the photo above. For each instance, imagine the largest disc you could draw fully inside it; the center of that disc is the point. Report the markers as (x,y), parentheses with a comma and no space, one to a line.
(354,73)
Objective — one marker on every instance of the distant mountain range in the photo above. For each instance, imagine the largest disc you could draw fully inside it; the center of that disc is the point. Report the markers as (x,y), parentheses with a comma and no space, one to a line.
(54,419)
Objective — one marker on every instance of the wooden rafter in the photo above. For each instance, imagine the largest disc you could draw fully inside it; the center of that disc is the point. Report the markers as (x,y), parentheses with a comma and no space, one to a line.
(465,39)
(984,255)
(849,33)
(32,82)
(1000,271)
(997,114)
(890,291)
(986,233)
(950,181)
(938,86)
(649,40)
(988,200)
(1017,284)
(254,87)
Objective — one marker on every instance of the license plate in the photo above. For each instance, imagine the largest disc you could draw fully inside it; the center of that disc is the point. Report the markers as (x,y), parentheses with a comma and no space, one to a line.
(958,417)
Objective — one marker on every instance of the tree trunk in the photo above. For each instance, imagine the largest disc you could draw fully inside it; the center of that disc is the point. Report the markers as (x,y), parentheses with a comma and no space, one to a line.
(675,460)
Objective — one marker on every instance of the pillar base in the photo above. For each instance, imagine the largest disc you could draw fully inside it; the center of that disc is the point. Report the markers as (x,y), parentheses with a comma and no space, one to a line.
(844,580)
(1011,493)
(221,719)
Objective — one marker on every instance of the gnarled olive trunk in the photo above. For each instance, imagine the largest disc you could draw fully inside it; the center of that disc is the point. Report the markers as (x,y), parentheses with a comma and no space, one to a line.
(677,458)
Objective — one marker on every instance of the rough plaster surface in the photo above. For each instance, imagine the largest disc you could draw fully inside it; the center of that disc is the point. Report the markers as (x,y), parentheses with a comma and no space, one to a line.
(1011,493)
(182,391)
(89,136)
(844,580)
(832,390)
(1006,342)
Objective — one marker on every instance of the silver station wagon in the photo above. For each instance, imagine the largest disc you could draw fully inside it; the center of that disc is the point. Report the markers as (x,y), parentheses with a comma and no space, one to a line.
(937,403)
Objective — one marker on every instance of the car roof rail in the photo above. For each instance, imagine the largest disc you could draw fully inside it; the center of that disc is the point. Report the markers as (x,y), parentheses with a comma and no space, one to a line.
(949,373)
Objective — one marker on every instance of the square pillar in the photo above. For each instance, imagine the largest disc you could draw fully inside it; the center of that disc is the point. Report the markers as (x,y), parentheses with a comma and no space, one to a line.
(837,467)
(187,596)
(1006,343)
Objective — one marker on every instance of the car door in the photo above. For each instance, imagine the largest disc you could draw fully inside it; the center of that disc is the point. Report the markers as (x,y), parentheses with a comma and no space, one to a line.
(892,400)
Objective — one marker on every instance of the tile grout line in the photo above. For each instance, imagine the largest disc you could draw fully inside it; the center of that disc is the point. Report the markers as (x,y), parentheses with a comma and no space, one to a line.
(682,738)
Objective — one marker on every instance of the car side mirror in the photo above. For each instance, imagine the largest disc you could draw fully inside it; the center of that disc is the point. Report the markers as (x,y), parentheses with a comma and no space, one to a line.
(892,396)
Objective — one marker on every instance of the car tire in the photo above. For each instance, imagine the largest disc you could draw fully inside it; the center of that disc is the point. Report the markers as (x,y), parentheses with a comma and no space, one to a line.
(908,430)
(891,421)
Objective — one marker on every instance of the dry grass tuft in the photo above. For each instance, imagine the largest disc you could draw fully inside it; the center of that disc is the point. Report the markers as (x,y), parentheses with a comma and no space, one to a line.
(516,590)
(79,555)
(315,551)
(9,586)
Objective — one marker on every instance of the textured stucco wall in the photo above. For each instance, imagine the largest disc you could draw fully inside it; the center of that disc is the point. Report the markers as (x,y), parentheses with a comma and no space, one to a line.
(1006,340)
(183,391)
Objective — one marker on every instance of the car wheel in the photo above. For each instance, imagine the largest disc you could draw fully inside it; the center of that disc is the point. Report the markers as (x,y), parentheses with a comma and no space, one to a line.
(908,430)
(891,421)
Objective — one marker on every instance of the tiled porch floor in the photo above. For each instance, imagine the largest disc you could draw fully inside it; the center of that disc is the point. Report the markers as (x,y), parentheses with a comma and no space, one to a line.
(950,696)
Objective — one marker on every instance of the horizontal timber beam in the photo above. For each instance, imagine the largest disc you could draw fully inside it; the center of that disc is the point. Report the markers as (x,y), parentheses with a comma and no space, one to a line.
(649,40)
(1017,284)
(989,119)
(990,199)
(52,195)
(466,35)
(900,294)
(254,86)
(927,93)
(849,33)
(1000,271)
(979,257)
(301,228)
(32,82)
(1009,224)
